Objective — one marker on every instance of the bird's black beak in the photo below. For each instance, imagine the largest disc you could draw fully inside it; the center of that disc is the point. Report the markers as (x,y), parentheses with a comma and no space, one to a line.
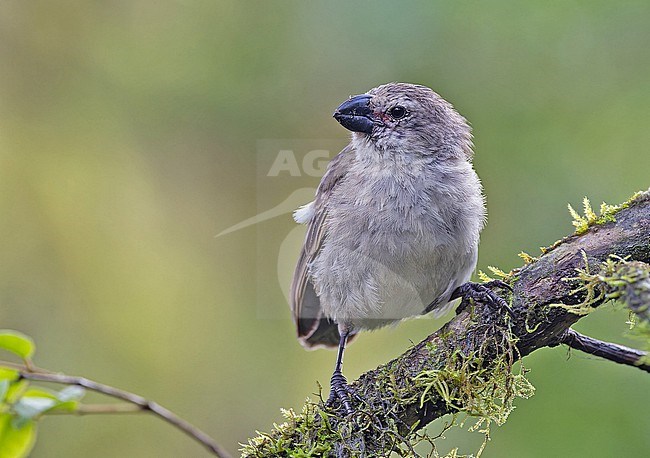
(354,114)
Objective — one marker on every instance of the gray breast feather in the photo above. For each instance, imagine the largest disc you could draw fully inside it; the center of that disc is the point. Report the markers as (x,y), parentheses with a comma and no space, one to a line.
(395,242)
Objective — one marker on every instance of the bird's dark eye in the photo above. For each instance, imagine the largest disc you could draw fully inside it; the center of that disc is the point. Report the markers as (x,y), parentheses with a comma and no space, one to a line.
(397,112)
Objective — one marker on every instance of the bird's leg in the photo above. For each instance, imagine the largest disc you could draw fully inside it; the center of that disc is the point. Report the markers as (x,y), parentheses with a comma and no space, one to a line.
(339,388)
(483,293)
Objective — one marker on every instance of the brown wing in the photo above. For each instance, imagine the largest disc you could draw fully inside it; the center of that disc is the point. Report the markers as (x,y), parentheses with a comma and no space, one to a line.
(314,329)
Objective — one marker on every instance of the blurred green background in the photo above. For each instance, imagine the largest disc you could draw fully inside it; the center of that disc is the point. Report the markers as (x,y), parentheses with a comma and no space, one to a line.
(130,137)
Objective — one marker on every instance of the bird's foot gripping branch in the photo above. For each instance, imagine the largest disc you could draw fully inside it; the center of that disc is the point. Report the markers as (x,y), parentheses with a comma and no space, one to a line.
(468,369)
(471,366)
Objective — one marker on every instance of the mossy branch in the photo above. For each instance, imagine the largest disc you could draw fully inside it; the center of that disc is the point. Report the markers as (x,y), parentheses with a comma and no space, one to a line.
(466,365)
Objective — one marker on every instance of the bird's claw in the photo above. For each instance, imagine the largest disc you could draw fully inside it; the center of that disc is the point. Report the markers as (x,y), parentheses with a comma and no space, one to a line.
(339,389)
(498,284)
(483,293)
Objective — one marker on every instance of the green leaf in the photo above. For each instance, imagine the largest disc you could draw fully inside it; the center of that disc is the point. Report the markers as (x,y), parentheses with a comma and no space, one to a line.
(38,392)
(17,342)
(71,393)
(67,406)
(15,442)
(16,390)
(4,387)
(29,407)
(36,401)
(8,374)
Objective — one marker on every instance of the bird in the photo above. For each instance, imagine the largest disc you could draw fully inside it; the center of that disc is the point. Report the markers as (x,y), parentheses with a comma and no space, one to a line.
(393,230)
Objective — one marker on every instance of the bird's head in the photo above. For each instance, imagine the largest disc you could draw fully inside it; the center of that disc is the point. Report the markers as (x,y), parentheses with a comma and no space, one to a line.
(404,117)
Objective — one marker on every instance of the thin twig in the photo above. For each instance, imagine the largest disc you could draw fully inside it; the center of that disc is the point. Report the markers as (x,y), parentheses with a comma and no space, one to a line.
(610,351)
(143,404)
(92,409)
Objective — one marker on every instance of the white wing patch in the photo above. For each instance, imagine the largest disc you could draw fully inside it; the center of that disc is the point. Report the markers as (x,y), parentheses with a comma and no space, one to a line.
(304,214)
